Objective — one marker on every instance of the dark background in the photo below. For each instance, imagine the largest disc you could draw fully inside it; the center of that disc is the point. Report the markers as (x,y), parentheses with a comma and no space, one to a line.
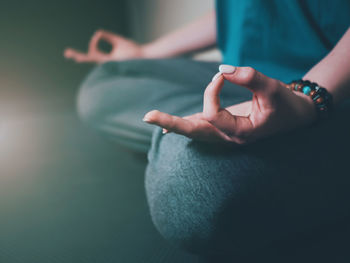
(66,195)
(33,37)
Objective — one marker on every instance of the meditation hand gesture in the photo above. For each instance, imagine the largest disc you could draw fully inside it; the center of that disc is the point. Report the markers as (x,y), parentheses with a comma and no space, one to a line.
(273,109)
(122,49)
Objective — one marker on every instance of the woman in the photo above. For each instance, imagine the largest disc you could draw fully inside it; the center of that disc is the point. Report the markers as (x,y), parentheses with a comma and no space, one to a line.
(264,167)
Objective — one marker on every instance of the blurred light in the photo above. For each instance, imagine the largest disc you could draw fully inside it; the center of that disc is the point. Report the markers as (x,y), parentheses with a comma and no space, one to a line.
(5,137)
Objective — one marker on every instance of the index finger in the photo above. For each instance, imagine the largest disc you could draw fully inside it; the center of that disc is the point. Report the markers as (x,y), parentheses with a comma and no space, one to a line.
(81,57)
(211,99)
(170,122)
(74,54)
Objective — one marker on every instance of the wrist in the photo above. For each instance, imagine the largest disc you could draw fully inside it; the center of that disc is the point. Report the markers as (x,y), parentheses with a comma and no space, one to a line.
(320,97)
(310,110)
(149,51)
(330,84)
(144,51)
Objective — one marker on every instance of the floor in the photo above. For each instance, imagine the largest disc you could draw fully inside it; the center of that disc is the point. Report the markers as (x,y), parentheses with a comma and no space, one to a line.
(67,195)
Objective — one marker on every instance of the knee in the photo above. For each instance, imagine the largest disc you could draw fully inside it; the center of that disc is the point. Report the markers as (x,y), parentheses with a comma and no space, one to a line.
(89,105)
(196,200)
(174,196)
(95,100)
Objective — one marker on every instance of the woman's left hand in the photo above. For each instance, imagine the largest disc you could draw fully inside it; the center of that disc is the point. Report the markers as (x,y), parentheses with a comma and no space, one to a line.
(273,109)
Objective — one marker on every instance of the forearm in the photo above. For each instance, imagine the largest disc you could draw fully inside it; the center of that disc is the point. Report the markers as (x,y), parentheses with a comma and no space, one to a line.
(195,36)
(333,72)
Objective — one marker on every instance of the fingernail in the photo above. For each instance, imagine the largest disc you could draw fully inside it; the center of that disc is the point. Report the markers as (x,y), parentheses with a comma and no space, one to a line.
(217,75)
(146,119)
(165,131)
(227,69)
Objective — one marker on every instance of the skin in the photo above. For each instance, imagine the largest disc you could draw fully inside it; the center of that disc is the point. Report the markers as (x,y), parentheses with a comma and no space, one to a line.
(195,36)
(273,108)
(122,49)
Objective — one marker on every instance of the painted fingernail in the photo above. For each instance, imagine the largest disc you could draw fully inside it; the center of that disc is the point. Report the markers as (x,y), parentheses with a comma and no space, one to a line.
(217,75)
(227,69)
(146,118)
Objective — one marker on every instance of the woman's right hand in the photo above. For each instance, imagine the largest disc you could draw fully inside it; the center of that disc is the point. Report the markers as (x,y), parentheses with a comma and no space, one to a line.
(122,49)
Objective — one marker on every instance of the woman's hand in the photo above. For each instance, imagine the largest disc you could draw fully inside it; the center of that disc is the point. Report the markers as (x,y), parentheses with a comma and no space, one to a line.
(122,49)
(273,109)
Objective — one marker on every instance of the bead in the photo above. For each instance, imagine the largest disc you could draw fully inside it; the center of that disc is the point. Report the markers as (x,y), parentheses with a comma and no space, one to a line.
(312,93)
(306,90)
(316,97)
(307,82)
(320,96)
(319,100)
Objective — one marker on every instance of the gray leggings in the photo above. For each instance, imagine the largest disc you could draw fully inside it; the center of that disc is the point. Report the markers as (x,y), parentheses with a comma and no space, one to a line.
(273,195)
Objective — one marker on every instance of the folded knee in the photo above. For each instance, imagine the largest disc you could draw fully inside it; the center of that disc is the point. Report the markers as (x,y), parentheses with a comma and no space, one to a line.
(180,205)
(196,200)
(89,105)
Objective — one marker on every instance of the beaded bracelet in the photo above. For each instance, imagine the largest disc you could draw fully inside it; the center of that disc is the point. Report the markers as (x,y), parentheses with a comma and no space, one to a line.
(321,97)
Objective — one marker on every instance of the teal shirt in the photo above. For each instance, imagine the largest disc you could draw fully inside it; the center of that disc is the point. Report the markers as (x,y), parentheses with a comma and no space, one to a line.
(281,38)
